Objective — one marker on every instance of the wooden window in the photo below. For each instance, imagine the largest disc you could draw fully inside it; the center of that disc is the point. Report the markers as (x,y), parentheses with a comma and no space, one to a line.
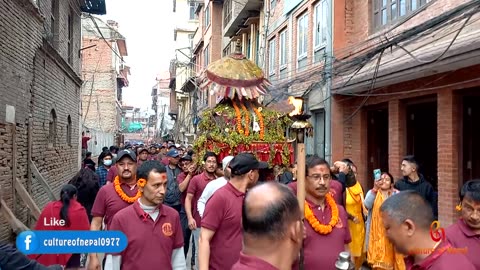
(206,17)
(227,12)
(54,23)
(302,33)
(52,128)
(271,57)
(283,50)
(70,37)
(206,56)
(192,14)
(69,130)
(388,11)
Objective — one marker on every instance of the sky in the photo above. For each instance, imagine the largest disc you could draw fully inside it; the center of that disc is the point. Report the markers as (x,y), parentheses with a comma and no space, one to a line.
(150,44)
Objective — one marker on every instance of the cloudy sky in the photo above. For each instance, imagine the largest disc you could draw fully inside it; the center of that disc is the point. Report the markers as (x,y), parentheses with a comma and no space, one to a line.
(150,43)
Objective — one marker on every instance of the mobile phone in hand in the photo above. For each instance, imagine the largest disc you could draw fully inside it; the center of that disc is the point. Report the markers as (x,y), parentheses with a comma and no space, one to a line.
(377,174)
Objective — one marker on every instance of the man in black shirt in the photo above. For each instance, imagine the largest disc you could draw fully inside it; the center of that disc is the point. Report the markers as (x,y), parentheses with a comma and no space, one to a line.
(11,258)
(412,180)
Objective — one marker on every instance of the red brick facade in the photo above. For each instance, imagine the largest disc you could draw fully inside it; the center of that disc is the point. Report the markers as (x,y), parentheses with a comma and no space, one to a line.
(279,22)
(350,138)
(350,134)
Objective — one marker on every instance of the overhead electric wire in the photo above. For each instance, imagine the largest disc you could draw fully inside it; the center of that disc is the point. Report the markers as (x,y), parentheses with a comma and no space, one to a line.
(445,51)
(104,39)
(360,55)
(372,86)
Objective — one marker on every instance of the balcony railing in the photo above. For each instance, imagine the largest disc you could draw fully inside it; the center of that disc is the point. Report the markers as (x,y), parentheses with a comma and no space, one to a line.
(240,11)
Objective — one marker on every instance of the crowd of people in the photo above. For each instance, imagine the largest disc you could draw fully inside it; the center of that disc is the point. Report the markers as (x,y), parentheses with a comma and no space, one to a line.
(169,201)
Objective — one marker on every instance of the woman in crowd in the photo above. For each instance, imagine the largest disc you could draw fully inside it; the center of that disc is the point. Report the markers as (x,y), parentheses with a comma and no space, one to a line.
(72,216)
(465,234)
(381,253)
(86,183)
(354,198)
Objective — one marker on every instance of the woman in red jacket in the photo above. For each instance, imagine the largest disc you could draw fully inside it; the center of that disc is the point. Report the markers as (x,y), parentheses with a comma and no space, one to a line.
(74,217)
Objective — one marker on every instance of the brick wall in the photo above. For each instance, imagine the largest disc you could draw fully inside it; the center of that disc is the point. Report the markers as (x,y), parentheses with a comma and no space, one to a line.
(353,131)
(279,21)
(100,83)
(35,79)
(359,26)
(213,38)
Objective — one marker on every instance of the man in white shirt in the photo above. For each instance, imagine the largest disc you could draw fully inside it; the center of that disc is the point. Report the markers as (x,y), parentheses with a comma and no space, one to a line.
(214,185)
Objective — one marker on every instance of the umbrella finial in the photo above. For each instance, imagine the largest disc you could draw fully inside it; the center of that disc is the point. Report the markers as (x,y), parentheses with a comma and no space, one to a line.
(238,47)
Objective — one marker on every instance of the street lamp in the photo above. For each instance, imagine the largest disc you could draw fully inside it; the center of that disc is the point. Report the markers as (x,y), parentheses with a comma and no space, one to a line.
(301,128)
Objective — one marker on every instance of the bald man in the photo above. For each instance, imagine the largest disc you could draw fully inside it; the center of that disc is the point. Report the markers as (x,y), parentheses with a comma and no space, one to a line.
(407,218)
(272,228)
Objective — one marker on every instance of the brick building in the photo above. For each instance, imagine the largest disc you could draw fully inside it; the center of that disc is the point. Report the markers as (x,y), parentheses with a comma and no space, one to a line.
(39,102)
(105,75)
(296,47)
(244,21)
(207,43)
(186,23)
(409,85)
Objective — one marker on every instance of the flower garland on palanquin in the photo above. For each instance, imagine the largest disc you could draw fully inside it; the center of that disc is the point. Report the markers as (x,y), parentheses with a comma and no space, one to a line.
(313,221)
(239,118)
(141,183)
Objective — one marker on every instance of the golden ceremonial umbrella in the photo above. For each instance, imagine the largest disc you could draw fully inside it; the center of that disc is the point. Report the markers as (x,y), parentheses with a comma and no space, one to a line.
(234,75)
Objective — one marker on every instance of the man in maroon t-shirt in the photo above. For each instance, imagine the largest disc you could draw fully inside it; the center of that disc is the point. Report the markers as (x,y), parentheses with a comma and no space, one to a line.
(184,179)
(272,228)
(108,201)
(465,233)
(408,219)
(221,235)
(153,230)
(194,191)
(321,249)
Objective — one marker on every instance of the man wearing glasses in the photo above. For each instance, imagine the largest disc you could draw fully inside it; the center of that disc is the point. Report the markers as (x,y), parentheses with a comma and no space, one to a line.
(325,220)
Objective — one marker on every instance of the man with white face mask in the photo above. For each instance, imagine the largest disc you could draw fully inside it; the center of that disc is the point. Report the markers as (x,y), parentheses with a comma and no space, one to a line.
(102,170)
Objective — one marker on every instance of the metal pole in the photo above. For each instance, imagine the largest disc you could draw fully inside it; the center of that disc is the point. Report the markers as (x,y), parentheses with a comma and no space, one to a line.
(301,155)
(328,84)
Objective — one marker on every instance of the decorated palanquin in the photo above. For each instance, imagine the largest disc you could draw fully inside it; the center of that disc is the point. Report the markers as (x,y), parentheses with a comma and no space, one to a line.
(239,123)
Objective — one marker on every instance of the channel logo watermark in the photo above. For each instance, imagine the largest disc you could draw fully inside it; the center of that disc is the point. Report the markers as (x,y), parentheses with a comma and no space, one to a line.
(437,233)
(71,242)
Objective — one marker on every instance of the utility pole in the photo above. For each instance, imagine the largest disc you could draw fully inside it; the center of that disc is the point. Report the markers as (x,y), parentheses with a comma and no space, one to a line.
(328,83)
(148,128)
(163,120)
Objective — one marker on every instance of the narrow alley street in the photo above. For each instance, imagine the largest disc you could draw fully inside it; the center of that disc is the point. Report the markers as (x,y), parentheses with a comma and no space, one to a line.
(281,134)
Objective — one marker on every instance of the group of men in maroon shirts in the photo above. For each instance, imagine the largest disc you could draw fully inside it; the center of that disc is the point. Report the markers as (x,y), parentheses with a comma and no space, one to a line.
(234,231)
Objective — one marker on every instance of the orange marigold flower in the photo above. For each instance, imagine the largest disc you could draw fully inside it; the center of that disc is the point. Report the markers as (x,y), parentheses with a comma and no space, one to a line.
(141,182)
(313,221)
(122,194)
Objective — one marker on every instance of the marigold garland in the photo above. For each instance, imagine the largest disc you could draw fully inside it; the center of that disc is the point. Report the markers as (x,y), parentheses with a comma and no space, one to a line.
(141,182)
(247,120)
(313,221)
(122,194)
(239,118)
(260,120)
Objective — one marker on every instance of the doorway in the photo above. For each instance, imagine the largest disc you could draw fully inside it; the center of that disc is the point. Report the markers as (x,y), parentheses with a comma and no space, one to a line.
(471,135)
(422,138)
(377,142)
